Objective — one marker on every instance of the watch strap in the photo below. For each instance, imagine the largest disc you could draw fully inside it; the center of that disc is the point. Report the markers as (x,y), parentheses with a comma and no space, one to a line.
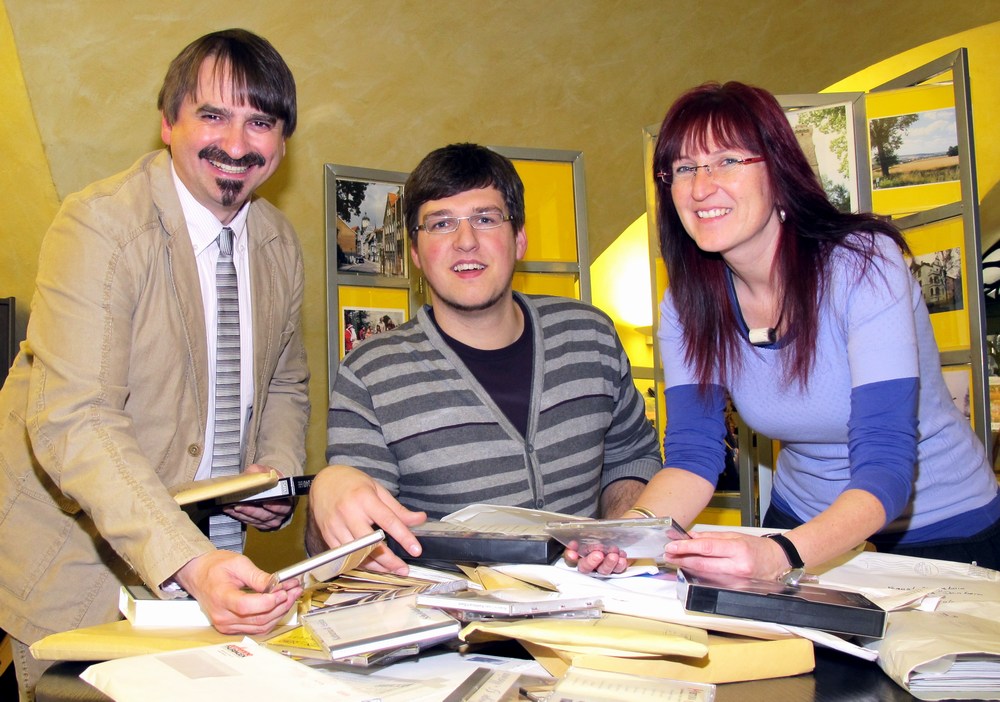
(791,553)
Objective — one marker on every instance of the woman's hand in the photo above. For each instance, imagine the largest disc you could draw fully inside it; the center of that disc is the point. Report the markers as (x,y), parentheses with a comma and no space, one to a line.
(596,561)
(729,553)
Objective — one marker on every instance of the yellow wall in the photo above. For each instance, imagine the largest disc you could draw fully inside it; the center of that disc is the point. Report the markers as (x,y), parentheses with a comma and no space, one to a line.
(383,82)
(28,200)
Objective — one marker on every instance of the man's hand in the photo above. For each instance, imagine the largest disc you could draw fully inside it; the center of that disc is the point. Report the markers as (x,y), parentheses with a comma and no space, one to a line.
(344,503)
(265,516)
(219,579)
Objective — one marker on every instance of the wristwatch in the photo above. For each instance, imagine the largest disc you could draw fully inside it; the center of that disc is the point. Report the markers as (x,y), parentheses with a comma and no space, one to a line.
(793,575)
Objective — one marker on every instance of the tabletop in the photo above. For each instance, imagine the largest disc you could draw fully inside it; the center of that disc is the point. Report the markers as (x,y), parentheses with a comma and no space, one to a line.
(838,677)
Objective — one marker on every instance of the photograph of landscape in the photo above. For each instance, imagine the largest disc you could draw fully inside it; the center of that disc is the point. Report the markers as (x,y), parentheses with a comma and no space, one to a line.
(914,149)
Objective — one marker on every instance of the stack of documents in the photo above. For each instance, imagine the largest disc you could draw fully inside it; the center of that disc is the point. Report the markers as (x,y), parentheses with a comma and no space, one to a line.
(948,646)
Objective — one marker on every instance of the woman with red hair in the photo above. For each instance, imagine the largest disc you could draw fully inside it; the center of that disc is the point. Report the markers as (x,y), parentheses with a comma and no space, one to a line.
(810,319)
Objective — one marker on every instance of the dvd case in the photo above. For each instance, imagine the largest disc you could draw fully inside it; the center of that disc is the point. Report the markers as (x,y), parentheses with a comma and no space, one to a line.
(812,606)
(444,543)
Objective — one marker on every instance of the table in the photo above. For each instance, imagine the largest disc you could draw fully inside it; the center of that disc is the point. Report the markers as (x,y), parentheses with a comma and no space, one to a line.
(838,677)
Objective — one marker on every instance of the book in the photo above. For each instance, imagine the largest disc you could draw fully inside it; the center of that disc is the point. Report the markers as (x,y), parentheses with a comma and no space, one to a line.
(378,626)
(292,486)
(142,608)
(211,488)
(805,605)
(507,602)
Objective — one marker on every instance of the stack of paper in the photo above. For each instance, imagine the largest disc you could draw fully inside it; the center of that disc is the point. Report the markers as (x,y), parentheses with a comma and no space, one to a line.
(948,648)
(937,655)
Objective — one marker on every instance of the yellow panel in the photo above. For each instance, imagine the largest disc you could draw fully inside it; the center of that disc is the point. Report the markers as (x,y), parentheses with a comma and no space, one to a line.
(951,328)
(720,516)
(394,300)
(550,210)
(561,284)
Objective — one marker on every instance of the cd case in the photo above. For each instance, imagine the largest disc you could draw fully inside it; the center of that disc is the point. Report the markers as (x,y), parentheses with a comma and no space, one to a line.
(509,602)
(638,538)
(384,625)
(812,606)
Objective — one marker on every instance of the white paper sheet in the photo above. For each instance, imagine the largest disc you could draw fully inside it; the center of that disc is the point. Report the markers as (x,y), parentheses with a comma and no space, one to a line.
(244,672)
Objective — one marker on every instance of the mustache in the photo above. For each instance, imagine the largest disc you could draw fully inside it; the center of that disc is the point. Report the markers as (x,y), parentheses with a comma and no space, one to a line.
(214,153)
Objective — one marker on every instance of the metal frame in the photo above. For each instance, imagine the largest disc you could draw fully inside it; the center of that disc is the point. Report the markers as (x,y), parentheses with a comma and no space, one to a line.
(859,123)
(957,63)
(335,278)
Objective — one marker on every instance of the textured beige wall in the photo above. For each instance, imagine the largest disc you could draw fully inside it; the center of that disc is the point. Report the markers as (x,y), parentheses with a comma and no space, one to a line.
(382,82)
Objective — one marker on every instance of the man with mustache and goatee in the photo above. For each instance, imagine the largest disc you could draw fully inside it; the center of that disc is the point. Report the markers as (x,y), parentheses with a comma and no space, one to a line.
(128,385)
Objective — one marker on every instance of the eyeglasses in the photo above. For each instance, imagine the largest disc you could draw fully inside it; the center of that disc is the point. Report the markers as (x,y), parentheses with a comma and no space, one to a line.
(446,224)
(723,169)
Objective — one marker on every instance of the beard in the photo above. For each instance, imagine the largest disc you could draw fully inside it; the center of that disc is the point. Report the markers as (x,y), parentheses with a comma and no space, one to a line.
(230,190)
(477,307)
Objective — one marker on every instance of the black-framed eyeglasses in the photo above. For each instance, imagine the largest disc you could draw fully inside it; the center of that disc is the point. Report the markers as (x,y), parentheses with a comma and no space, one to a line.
(723,168)
(446,224)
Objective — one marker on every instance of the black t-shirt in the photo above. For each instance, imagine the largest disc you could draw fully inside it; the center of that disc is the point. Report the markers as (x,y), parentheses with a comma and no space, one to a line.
(504,373)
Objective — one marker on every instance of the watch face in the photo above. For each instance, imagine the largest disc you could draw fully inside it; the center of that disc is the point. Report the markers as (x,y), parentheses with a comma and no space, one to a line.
(792,576)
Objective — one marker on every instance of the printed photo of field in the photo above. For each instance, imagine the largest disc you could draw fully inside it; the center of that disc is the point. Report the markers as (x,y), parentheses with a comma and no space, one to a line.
(914,149)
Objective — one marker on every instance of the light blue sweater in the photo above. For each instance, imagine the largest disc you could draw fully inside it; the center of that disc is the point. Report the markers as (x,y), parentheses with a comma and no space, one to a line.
(876,414)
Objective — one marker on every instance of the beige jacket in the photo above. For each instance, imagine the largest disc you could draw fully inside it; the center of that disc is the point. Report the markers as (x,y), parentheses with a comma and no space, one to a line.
(106,404)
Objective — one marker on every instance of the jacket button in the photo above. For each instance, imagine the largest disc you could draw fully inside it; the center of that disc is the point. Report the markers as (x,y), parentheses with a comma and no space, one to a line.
(194,450)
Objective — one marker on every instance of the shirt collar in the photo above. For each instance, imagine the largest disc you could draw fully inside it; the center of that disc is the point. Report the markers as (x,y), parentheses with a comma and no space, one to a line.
(203,226)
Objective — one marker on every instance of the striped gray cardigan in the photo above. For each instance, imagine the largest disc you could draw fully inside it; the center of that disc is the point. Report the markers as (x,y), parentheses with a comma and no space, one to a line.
(409,413)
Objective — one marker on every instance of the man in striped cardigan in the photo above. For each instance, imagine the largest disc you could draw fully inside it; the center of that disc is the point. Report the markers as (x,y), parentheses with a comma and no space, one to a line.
(487,395)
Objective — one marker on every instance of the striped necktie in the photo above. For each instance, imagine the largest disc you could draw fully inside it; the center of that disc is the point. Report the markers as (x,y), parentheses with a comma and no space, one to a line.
(224,531)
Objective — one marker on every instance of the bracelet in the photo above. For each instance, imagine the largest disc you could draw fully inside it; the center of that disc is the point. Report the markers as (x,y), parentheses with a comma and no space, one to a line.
(647,513)
(791,553)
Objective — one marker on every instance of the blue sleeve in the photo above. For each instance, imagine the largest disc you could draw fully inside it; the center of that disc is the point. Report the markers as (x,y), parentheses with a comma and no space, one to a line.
(882,441)
(695,436)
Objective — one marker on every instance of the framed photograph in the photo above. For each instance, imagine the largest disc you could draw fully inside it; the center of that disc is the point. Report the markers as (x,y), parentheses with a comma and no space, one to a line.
(826,136)
(365,221)
(940,278)
(918,148)
(362,323)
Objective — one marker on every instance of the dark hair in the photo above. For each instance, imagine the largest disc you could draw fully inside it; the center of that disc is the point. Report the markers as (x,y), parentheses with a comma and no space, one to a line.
(739,116)
(260,77)
(455,168)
